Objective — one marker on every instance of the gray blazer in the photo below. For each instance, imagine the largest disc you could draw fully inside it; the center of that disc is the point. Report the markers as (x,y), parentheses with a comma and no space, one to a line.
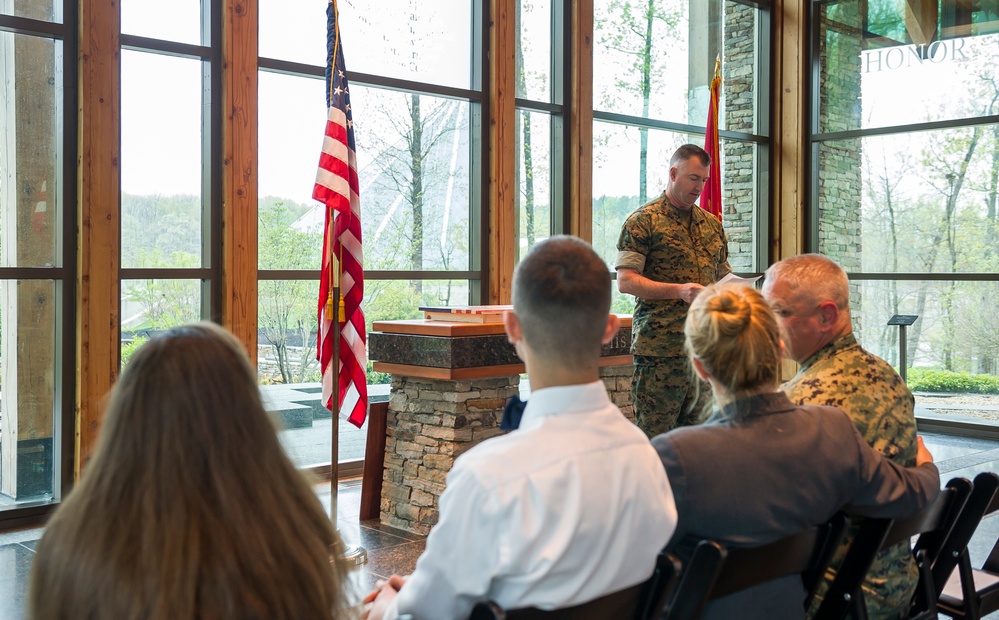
(779,469)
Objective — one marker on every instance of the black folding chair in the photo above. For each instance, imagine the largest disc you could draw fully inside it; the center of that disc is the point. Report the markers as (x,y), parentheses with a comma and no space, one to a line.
(933,526)
(644,601)
(972,593)
(714,571)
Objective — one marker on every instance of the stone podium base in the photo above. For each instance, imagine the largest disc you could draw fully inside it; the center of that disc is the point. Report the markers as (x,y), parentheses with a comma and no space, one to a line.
(430,422)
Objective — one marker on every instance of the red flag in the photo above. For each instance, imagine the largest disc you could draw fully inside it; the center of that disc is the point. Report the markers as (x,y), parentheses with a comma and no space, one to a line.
(337,188)
(711,197)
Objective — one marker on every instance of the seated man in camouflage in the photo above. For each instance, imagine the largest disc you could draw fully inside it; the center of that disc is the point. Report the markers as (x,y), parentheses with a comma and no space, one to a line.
(811,298)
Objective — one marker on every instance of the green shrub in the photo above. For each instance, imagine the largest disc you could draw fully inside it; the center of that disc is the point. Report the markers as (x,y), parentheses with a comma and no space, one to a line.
(933,380)
(129,347)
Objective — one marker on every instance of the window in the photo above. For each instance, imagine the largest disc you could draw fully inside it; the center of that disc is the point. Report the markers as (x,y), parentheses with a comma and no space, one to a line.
(904,185)
(652,74)
(416,103)
(37,258)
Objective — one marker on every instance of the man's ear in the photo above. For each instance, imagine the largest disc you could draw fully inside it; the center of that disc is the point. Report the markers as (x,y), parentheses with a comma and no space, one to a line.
(512,325)
(611,329)
(672,173)
(829,313)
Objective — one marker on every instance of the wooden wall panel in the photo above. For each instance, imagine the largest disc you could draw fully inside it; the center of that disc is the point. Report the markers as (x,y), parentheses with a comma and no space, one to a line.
(239,175)
(791,120)
(98,289)
(502,150)
(790,125)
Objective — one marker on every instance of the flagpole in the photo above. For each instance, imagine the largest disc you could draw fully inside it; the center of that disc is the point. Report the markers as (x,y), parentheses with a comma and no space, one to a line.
(353,555)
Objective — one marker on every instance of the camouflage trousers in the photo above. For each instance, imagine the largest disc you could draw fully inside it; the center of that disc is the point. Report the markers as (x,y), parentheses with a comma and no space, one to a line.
(890,583)
(667,395)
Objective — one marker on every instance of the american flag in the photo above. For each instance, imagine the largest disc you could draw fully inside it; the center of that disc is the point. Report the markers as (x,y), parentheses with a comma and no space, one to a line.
(711,197)
(337,188)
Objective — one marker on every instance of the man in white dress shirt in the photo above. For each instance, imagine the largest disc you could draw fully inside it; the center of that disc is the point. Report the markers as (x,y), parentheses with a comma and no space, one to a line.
(572,505)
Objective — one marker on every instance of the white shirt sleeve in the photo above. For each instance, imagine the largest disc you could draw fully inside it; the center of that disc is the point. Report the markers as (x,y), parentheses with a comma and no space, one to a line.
(461,557)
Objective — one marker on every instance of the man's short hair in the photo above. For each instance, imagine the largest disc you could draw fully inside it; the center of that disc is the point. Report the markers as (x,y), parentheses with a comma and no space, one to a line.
(815,275)
(562,296)
(688,151)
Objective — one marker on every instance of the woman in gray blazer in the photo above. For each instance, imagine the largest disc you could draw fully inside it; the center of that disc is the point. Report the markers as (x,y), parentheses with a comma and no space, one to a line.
(761,468)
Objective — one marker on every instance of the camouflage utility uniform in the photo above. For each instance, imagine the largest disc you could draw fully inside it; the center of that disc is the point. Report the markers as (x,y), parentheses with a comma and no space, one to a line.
(656,242)
(844,375)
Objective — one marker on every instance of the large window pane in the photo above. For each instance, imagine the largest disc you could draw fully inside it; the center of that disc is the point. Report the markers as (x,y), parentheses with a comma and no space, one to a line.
(161,178)
(657,61)
(874,81)
(534,173)
(29,438)
(954,342)
(421,41)
(917,202)
(414,175)
(179,20)
(152,305)
(534,50)
(292,122)
(45,10)
(30,172)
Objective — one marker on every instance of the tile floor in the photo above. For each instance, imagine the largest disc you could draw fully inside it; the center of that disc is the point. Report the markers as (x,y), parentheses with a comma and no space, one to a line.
(394,551)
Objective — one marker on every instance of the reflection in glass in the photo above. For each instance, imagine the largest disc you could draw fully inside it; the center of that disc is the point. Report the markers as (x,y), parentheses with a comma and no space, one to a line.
(181,22)
(658,62)
(27,373)
(882,81)
(918,202)
(427,42)
(534,50)
(957,332)
(413,169)
(151,305)
(30,126)
(161,199)
(534,173)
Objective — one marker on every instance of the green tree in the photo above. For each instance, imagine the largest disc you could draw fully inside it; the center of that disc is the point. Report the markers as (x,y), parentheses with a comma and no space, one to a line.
(641,31)
(287,308)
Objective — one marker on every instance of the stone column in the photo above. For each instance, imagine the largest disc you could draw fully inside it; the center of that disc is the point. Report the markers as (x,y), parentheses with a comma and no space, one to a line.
(430,423)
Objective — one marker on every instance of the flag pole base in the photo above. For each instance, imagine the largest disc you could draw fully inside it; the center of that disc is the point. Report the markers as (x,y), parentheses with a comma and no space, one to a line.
(354,556)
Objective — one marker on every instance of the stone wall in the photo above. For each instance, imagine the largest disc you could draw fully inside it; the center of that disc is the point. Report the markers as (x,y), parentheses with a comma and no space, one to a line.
(618,380)
(430,423)
(739,186)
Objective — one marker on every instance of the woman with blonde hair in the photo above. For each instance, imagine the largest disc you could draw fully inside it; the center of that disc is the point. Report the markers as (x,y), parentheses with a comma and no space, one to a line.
(189,507)
(761,468)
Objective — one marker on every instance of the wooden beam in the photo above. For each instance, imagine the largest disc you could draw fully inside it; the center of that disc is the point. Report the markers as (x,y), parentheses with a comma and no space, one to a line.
(239,174)
(787,229)
(791,119)
(580,119)
(98,289)
(502,150)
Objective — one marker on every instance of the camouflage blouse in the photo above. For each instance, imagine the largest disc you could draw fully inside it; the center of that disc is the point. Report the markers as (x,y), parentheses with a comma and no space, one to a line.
(656,242)
(868,389)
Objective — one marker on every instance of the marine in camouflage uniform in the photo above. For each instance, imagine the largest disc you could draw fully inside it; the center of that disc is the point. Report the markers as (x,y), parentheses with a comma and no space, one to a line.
(662,244)
(844,375)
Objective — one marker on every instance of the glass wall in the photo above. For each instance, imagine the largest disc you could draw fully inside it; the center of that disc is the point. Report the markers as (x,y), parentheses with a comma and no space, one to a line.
(37,263)
(904,186)
(416,105)
(651,91)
